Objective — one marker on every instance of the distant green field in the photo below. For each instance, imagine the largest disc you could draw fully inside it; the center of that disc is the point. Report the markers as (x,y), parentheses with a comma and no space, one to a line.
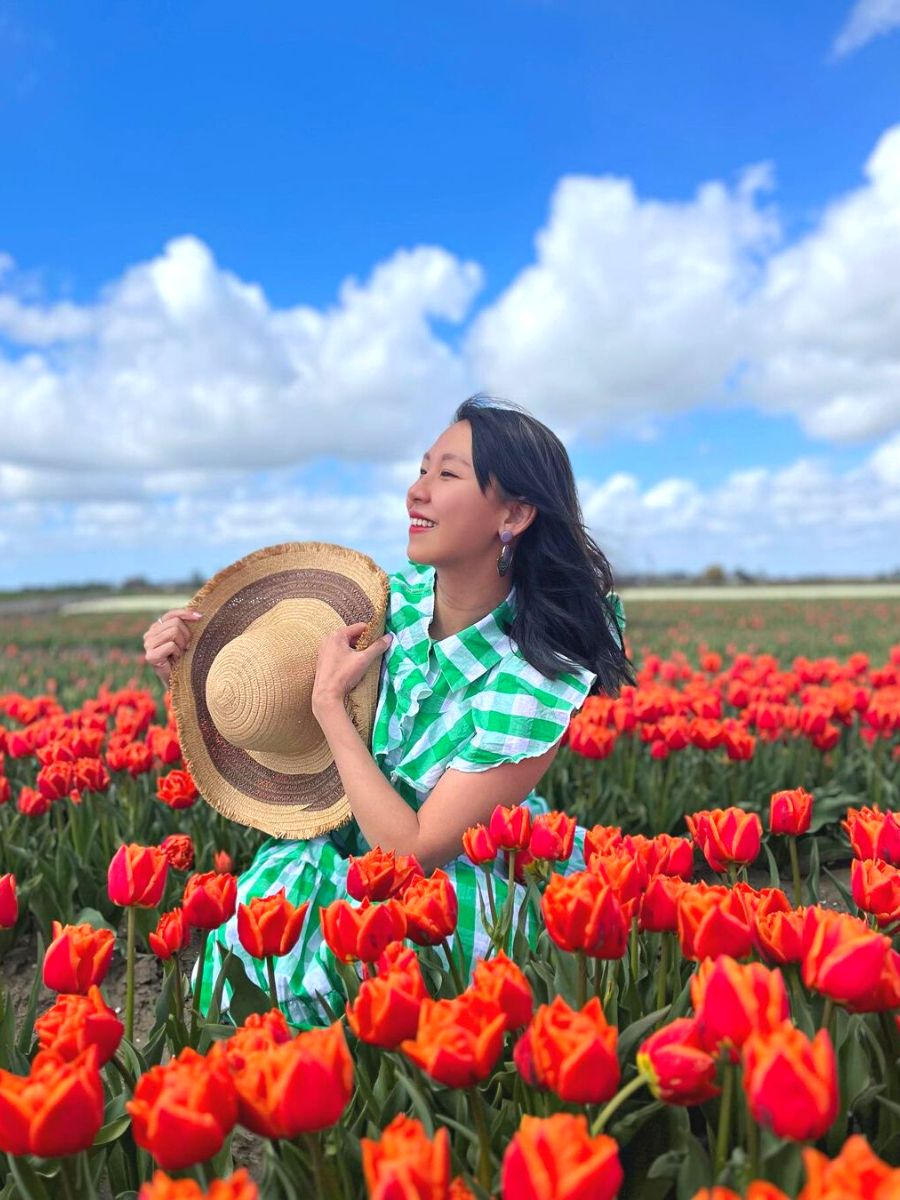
(80,650)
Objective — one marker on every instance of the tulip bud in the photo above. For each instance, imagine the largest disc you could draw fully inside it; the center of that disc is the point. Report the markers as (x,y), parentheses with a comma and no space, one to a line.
(432,909)
(9,904)
(732,1000)
(479,845)
(790,812)
(501,980)
(172,934)
(726,835)
(581,912)
(677,1067)
(552,836)
(573,1052)
(386,1010)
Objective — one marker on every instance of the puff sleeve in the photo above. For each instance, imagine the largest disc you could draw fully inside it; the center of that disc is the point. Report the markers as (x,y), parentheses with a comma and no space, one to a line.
(521,715)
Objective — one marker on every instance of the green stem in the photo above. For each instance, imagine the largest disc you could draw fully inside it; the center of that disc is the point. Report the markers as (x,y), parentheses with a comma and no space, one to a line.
(479,1120)
(662,971)
(724,1121)
(198,991)
(68,1173)
(492,903)
(633,950)
(616,1103)
(129,974)
(178,987)
(511,898)
(581,979)
(128,1078)
(795,870)
(455,972)
(273,987)
(826,1016)
(752,1141)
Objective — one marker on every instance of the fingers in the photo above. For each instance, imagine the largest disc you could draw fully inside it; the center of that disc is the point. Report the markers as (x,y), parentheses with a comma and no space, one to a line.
(168,638)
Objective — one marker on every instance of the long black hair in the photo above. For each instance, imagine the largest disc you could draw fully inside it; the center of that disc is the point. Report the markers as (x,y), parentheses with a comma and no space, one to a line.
(561,575)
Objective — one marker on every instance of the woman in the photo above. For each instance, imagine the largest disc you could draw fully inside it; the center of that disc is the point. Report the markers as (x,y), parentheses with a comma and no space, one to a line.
(502,623)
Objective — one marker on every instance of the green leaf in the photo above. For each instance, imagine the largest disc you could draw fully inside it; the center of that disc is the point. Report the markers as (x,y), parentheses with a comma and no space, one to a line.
(632,1034)
(26,1033)
(113,1131)
(695,1171)
(31,1185)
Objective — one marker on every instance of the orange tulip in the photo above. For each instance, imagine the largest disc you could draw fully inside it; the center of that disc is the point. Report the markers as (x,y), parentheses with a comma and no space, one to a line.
(759,1189)
(386,1010)
(732,1000)
(55,781)
(711,921)
(626,874)
(179,850)
(664,854)
(183,1111)
(873,833)
(56,1109)
(581,912)
(177,789)
(500,980)
(223,863)
(171,935)
(511,827)
(209,899)
(137,876)
(790,812)
(856,1174)
(76,1022)
(405,1164)
(361,932)
(299,1086)
(32,804)
(555,1158)
(238,1186)
(432,909)
(791,1082)
(726,835)
(77,957)
(876,888)
(571,1052)
(269,926)
(886,993)
(677,1067)
(458,1041)
(778,936)
(9,904)
(600,839)
(842,957)
(377,875)
(90,775)
(261,1031)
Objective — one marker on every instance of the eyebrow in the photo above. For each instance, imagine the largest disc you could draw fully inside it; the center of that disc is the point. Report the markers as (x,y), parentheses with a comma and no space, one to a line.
(458,458)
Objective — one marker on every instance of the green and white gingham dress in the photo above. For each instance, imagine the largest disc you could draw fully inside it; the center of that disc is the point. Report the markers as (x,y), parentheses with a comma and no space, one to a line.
(468,702)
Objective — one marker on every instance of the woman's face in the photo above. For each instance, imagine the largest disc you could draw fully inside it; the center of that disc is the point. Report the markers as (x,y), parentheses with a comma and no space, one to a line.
(467,522)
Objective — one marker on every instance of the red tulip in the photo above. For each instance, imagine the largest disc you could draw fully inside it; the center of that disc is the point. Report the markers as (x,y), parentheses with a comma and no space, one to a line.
(842,957)
(732,1000)
(386,1010)
(791,1083)
(137,876)
(179,850)
(9,904)
(171,935)
(405,1164)
(431,907)
(500,980)
(573,1052)
(511,827)
(183,1111)
(726,835)
(458,1041)
(379,875)
(582,913)
(712,920)
(676,1065)
(479,845)
(552,836)
(209,899)
(177,789)
(790,812)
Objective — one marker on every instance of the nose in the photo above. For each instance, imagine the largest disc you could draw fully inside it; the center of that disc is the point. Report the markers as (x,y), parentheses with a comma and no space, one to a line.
(419,489)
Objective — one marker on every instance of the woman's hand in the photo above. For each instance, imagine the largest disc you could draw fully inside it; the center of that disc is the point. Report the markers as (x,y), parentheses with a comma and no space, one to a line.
(167,639)
(340,667)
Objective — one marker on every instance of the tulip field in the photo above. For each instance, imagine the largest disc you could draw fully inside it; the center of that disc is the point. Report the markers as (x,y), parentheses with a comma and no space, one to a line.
(710,1009)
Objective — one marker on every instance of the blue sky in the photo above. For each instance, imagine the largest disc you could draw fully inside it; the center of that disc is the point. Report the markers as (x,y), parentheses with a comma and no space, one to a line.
(671,231)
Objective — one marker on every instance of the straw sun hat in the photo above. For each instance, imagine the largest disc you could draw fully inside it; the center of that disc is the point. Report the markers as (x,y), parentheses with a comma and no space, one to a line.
(242,691)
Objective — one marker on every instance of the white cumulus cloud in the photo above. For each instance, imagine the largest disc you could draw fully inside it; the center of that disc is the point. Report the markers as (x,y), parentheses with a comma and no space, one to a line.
(868,19)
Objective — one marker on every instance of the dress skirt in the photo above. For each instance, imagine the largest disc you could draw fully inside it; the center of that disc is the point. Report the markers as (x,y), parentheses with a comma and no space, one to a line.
(315,870)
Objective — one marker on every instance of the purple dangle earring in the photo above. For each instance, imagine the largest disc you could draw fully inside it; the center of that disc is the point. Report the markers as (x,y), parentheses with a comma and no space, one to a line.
(504,558)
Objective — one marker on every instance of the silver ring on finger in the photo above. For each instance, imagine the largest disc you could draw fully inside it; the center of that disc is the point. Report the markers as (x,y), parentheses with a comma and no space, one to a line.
(159,620)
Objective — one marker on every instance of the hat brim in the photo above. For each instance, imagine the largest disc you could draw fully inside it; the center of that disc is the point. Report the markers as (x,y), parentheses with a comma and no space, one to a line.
(285,804)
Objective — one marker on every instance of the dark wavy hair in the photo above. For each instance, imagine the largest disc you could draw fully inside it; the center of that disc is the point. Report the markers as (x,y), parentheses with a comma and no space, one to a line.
(561,575)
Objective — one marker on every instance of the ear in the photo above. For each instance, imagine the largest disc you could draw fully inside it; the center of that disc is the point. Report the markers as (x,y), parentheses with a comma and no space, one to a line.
(519,515)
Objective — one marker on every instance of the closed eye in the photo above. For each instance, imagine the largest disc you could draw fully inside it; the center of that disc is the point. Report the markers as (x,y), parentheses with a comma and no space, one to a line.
(450,473)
